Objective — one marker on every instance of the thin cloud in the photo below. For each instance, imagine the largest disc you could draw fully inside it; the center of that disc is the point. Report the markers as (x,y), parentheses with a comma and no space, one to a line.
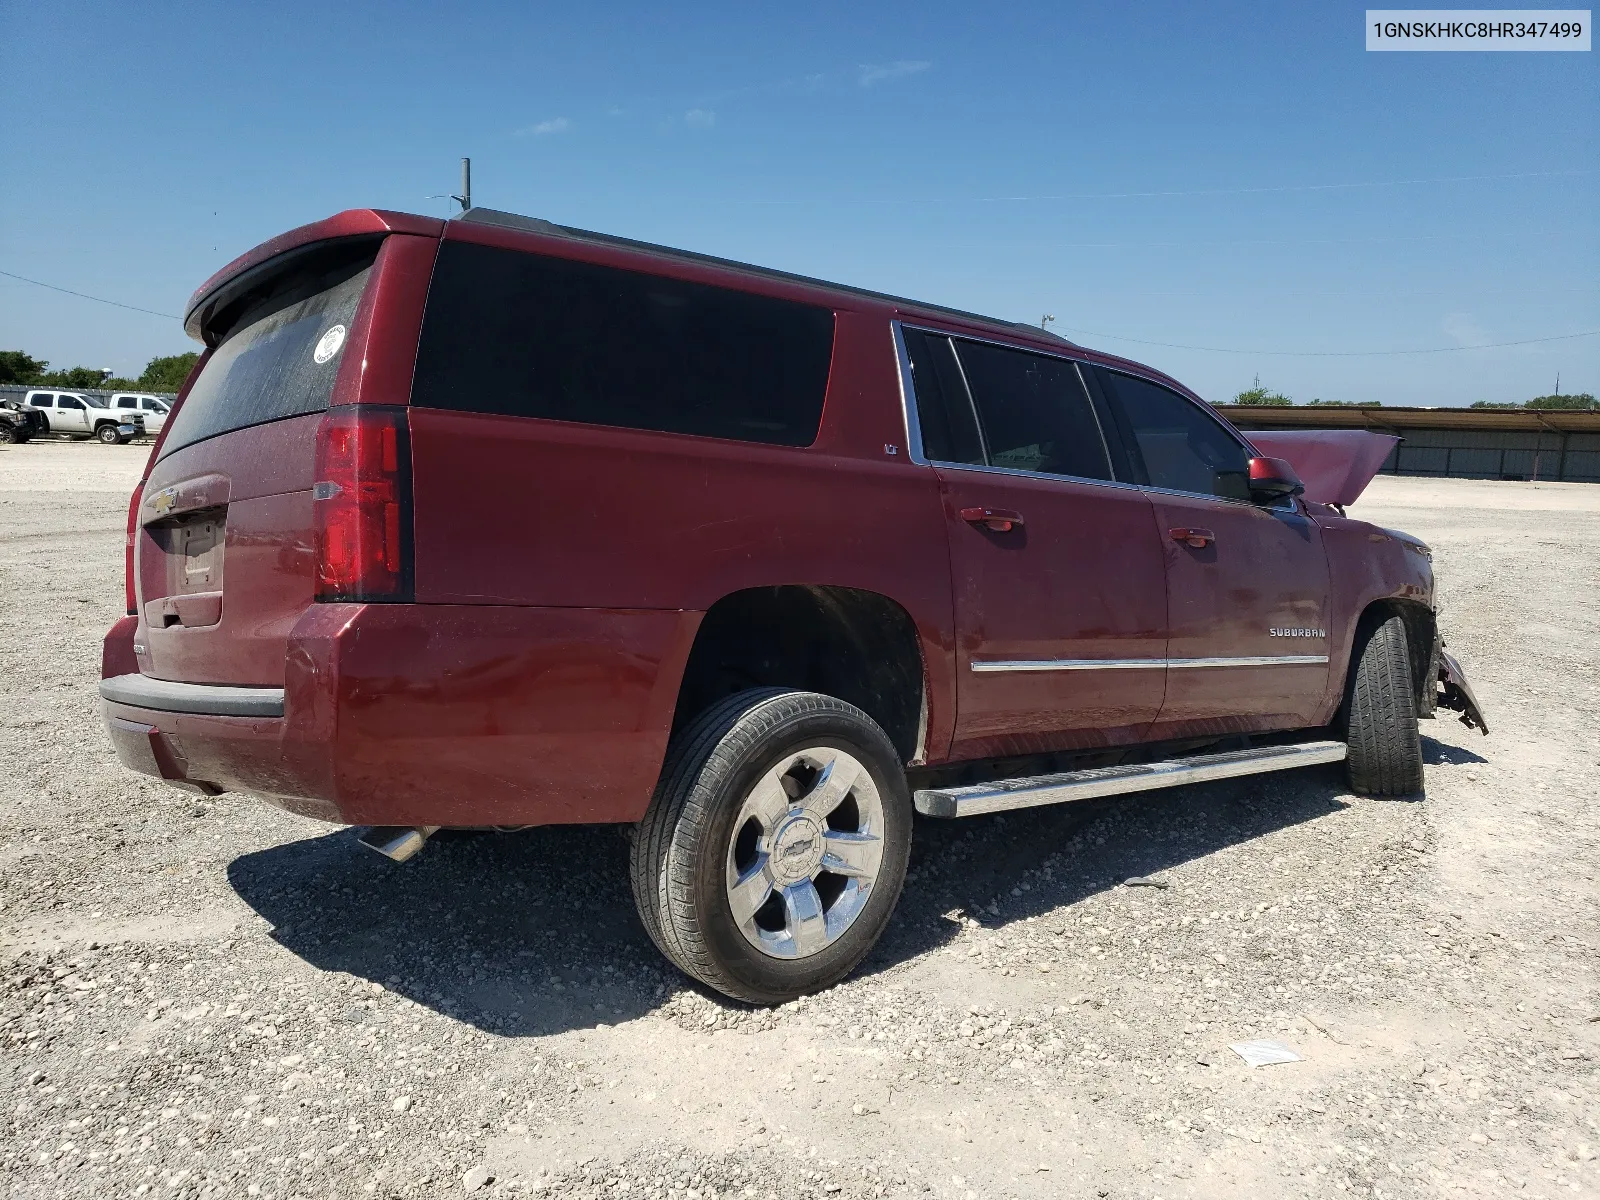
(868,74)
(704,118)
(1465,329)
(544,128)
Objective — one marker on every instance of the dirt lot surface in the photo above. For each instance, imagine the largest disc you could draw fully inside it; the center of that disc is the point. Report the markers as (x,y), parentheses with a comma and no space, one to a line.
(216,998)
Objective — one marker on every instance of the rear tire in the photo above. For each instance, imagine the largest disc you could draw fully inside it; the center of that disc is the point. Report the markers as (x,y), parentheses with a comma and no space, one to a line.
(1385,749)
(776,844)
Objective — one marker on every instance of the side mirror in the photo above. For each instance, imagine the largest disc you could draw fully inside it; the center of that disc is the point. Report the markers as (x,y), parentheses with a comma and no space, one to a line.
(1273,479)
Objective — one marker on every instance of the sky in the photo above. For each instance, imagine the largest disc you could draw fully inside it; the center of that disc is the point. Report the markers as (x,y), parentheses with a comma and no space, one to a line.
(1222,191)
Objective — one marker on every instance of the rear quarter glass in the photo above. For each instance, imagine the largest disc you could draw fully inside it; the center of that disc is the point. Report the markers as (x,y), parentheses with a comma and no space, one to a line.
(529,335)
(280,351)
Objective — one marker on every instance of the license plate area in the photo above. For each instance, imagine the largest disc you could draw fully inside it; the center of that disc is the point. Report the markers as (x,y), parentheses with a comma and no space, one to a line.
(191,549)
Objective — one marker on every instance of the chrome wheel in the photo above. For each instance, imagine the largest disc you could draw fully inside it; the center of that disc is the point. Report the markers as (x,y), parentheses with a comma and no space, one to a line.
(806,849)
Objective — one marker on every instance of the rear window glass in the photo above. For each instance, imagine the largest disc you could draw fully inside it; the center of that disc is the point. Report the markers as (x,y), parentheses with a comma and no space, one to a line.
(531,336)
(281,352)
(1034,412)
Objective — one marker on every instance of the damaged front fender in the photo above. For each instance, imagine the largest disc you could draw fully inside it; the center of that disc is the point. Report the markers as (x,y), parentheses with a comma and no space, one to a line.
(1455,692)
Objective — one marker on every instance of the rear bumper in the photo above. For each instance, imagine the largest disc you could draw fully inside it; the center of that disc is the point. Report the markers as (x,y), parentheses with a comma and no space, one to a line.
(141,691)
(424,715)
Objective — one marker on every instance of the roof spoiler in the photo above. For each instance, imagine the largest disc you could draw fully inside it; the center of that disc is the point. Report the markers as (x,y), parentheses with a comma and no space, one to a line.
(1335,464)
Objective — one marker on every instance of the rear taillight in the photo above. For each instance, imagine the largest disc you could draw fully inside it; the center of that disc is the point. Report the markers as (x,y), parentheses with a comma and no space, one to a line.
(128,546)
(362,500)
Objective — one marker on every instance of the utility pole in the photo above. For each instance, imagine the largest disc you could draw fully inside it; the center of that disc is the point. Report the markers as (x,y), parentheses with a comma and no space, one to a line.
(1558,383)
(465,198)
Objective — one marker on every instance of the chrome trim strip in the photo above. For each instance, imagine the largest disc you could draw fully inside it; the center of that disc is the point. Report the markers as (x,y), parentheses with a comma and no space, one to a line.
(908,398)
(216,700)
(1146,664)
(975,799)
(1070,664)
(1257,660)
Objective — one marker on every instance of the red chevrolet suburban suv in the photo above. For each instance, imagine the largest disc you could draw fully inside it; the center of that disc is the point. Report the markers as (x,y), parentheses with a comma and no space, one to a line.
(497,523)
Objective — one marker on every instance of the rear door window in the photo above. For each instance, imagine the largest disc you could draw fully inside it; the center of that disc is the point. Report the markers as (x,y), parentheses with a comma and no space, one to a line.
(41,401)
(944,412)
(1034,412)
(280,353)
(1180,447)
(532,336)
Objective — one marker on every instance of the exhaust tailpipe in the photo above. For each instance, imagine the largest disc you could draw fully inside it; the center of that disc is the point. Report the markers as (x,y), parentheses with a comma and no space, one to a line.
(397,842)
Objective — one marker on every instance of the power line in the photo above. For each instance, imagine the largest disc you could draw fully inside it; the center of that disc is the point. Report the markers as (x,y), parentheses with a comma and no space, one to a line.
(1245,191)
(85,296)
(1560,337)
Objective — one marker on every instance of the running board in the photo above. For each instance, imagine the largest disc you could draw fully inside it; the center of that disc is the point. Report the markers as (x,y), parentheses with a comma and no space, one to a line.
(977,798)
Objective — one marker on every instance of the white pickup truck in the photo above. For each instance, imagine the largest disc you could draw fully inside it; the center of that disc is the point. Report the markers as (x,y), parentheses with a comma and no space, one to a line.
(152,408)
(76,415)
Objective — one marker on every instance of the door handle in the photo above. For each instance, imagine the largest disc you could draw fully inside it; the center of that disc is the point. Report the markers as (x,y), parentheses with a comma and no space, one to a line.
(1195,539)
(997,520)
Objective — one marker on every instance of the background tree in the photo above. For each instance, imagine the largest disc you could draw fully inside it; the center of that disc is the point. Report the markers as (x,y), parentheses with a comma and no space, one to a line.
(167,374)
(73,377)
(1260,395)
(1578,400)
(19,367)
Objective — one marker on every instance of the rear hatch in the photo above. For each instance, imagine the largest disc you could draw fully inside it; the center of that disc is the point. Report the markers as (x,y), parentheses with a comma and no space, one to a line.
(225,555)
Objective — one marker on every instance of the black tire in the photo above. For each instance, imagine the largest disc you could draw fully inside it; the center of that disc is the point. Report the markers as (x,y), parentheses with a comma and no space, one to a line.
(108,435)
(680,854)
(1385,749)
(8,434)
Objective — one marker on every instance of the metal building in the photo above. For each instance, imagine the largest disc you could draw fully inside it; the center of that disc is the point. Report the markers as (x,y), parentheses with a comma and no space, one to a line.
(1471,443)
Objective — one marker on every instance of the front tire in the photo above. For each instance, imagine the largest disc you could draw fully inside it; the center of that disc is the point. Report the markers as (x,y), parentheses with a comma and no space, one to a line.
(108,435)
(1385,749)
(776,844)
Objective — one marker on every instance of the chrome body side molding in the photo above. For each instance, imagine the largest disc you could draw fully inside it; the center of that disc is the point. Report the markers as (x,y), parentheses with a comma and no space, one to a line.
(1148,664)
(974,799)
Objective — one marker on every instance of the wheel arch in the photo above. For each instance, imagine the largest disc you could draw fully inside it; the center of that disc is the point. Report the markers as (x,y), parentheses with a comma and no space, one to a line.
(1422,643)
(858,645)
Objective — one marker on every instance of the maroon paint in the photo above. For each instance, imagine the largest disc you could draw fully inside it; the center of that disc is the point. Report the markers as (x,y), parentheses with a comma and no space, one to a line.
(449,714)
(1264,569)
(353,222)
(535,678)
(1029,593)
(1365,565)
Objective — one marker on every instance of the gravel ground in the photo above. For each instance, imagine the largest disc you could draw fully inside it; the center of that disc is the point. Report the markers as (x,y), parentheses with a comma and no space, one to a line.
(217,998)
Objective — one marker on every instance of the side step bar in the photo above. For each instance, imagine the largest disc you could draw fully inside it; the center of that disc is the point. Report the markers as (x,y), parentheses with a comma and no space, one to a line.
(973,799)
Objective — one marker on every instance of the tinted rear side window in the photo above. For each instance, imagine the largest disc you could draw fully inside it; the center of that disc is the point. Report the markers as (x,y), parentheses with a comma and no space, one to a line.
(531,336)
(944,413)
(282,350)
(1034,411)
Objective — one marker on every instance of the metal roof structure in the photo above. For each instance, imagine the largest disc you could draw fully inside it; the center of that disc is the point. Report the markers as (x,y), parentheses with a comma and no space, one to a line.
(1561,444)
(1397,420)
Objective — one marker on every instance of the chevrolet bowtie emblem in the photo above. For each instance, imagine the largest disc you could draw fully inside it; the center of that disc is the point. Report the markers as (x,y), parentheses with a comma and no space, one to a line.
(164,501)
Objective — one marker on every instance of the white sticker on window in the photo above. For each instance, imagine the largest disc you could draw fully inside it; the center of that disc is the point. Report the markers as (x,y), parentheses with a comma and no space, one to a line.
(329,344)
